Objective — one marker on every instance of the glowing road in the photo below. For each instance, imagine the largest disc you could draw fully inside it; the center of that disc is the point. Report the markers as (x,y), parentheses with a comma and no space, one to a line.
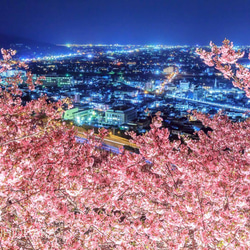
(112,143)
(225,106)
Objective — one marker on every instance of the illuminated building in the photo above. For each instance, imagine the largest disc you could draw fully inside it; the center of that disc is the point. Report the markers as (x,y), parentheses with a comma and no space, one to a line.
(184,85)
(11,73)
(169,70)
(77,98)
(120,114)
(84,116)
(149,85)
(59,81)
(198,93)
(215,83)
(79,115)
(70,113)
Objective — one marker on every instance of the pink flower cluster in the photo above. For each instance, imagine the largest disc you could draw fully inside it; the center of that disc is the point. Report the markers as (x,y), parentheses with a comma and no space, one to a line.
(58,194)
(223,58)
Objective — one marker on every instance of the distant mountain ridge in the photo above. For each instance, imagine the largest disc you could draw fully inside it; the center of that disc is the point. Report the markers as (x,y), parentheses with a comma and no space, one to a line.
(28,48)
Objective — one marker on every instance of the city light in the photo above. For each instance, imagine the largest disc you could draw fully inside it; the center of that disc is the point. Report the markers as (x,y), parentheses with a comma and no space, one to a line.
(135,75)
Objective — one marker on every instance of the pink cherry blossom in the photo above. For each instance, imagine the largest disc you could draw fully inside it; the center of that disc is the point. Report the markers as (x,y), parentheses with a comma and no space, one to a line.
(223,58)
(59,194)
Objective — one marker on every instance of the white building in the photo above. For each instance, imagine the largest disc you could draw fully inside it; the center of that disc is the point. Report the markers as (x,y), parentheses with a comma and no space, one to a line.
(120,114)
(59,81)
(184,85)
(11,73)
(70,113)
(81,116)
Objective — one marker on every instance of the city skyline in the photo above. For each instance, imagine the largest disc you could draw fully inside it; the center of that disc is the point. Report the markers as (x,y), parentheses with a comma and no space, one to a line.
(177,22)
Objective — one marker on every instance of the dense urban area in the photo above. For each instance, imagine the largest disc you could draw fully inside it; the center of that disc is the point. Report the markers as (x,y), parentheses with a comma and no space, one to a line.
(122,87)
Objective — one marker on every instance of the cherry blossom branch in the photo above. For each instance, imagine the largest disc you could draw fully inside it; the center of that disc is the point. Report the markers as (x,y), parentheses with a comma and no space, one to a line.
(222,58)
(27,136)
(1,245)
(202,213)
(175,184)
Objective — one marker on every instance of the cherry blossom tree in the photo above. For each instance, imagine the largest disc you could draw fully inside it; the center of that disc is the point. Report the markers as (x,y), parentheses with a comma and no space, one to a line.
(58,194)
(223,58)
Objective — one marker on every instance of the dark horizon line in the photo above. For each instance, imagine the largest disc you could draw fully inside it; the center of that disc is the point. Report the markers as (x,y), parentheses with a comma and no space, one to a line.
(16,37)
(138,44)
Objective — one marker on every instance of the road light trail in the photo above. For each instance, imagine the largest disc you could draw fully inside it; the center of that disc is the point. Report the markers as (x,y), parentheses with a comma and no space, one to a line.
(210,103)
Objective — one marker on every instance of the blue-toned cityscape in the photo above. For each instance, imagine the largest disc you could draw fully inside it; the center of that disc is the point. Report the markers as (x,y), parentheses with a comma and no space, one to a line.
(121,87)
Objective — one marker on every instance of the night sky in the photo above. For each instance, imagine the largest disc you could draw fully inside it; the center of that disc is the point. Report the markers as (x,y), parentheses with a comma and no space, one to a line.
(127,21)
